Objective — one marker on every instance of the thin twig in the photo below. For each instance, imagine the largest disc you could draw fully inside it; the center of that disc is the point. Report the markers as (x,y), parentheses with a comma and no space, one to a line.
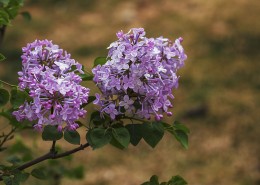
(52,154)
(131,118)
(53,146)
(7,136)
(6,83)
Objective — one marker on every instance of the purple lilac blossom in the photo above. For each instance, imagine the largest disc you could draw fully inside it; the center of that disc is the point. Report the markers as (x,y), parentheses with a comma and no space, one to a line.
(139,75)
(52,82)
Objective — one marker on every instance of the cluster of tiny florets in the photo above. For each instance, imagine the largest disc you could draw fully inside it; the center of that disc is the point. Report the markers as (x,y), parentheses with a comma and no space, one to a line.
(139,75)
(50,77)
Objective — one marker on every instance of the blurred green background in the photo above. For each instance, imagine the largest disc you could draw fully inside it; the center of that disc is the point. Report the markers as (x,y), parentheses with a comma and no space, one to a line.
(218,96)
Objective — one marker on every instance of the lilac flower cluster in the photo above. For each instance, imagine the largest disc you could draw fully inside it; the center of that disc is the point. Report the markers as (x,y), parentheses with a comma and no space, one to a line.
(139,75)
(50,75)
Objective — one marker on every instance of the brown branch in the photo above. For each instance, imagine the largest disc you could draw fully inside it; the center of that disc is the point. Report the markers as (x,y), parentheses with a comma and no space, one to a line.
(7,136)
(52,154)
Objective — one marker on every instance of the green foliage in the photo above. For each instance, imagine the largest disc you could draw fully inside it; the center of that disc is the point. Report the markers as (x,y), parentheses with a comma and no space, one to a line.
(22,176)
(86,77)
(100,61)
(182,137)
(98,137)
(39,173)
(59,168)
(175,180)
(90,100)
(4,18)
(9,10)
(75,173)
(20,148)
(50,133)
(13,159)
(18,97)
(15,178)
(179,131)
(4,97)
(154,180)
(11,180)
(12,121)
(96,119)
(136,133)
(72,137)
(120,137)
(152,133)
(2,57)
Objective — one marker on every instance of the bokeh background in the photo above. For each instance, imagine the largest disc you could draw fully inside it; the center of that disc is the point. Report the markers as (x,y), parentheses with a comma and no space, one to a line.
(218,96)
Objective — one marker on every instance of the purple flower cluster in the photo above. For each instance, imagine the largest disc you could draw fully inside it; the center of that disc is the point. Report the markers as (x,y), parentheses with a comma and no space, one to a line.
(51,77)
(139,75)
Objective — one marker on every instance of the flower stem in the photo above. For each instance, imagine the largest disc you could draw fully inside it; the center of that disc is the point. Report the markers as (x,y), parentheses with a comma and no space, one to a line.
(131,118)
(11,85)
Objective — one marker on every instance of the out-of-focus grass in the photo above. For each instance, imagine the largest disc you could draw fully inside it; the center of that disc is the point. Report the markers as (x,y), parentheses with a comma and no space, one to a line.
(218,96)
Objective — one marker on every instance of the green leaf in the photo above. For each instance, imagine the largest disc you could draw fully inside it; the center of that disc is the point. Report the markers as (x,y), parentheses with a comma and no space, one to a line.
(163,183)
(100,61)
(8,180)
(5,2)
(146,183)
(154,180)
(168,127)
(90,100)
(177,180)
(15,3)
(13,159)
(86,77)
(72,137)
(20,176)
(135,131)
(20,148)
(18,98)
(2,167)
(96,119)
(76,173)
(13,11)
(8,115)
(50,133)
(2,57)
(4,18)
(39,173)
(153,133)
(4,97)
(182,137)
(26,15)
(179,131)
(179,126)
(116,144)
(98,137)
(122,136)
(24,176)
